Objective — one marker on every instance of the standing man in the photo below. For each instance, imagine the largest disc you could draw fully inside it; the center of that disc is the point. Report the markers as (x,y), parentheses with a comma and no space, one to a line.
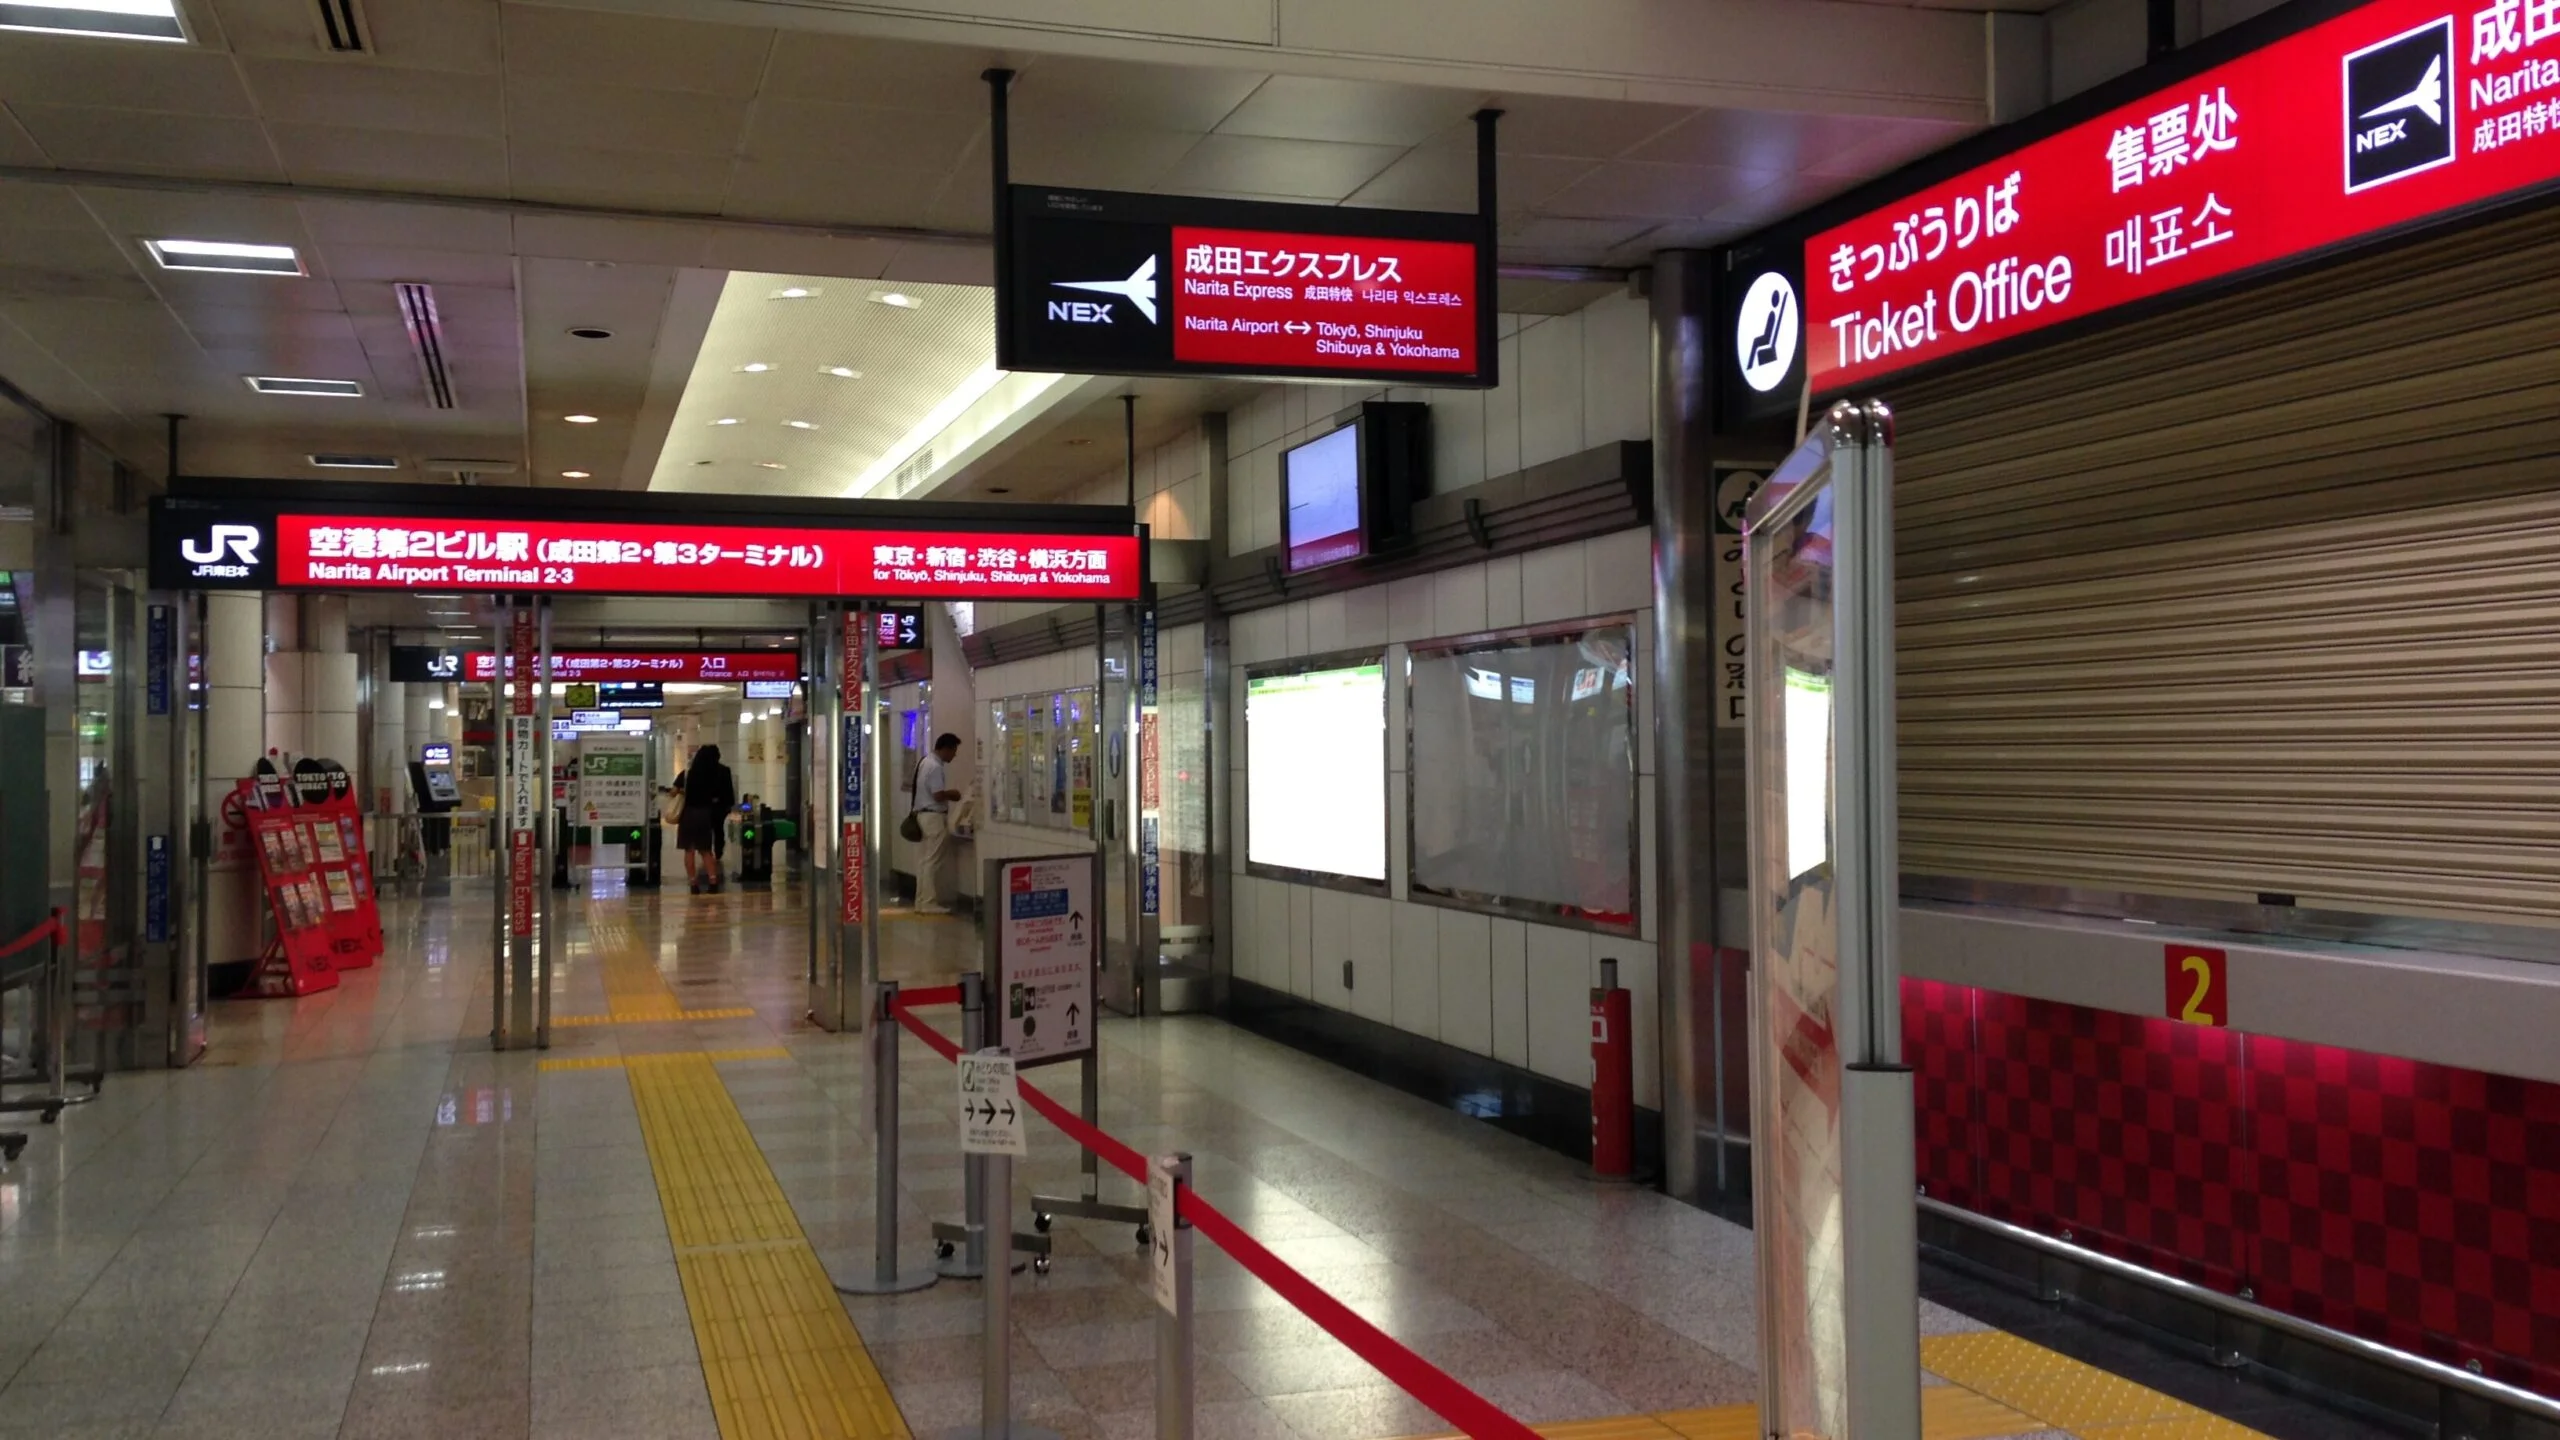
(931,799)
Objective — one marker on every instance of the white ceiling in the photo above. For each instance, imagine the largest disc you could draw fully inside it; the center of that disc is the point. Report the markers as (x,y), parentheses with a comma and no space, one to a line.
(545,167)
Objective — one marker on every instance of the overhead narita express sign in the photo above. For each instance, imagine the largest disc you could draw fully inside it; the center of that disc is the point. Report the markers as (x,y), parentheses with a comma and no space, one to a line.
(1097,282)
(2391,113)
(204,545)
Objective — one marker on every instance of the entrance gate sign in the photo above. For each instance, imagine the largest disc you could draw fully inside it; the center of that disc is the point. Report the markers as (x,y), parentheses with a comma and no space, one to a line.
(283,542)
(2387,115)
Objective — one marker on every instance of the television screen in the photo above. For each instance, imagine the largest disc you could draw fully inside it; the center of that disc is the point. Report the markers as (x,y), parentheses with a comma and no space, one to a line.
(771,689)
(1316,771)
(1320,490)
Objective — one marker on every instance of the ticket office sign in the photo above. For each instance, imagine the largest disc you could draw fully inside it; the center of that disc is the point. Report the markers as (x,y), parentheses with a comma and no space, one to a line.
(206,544)
(1044,951)
(2387,115)
(1101,282)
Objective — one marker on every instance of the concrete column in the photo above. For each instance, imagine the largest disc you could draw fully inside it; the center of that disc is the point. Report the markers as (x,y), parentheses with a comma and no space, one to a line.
(329,680)
(234,739)
(951,699)
(389,770)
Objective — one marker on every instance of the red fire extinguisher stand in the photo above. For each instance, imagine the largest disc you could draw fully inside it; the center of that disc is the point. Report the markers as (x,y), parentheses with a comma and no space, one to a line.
(1613,1080)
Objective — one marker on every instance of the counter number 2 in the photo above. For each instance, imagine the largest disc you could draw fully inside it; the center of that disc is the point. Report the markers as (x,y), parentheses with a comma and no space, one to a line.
(2199,985)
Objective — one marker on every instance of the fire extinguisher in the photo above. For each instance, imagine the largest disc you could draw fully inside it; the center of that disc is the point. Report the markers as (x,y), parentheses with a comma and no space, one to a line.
(1613,1080)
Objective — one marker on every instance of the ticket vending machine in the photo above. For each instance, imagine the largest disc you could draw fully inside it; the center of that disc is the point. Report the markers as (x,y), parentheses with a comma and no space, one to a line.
(438,793)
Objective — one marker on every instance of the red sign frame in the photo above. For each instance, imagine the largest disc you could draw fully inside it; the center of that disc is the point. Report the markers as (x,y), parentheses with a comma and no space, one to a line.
(718,667)
(2390,114)
(1263,300)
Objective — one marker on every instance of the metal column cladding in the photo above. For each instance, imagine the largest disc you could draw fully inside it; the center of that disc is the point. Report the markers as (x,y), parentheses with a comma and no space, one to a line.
(527,786)
(853,856)
(1150,782)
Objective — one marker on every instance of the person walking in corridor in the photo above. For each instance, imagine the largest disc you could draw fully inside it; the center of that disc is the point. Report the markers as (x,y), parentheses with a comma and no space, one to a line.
(710,793)
(931,800)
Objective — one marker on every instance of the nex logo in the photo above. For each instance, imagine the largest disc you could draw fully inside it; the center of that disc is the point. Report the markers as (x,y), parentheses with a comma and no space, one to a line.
(240,542)
(1139,289)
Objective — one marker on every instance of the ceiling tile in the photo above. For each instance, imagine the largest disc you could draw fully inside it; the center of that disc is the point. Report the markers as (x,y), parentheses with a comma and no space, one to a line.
(1443,177)
(637,50)
(1583,129)
(1657,192)
(922,264)
(578,115)
(1563,239)
(1297,169)
(1359,112)
(738,248)
(267,292)
(391,159)
(29,272)
(639,242)
(34,205)
(436,34)
(87,137)
(177,79)
(135,213)
(1897,143)
(1764,142)
(377,97)
(811,129)
(648,181)
(17,147)
(219,326)
(853,189)
(1099,157)
(435,227)
(82,251)
(1074,93)
(938,79)
(352,264)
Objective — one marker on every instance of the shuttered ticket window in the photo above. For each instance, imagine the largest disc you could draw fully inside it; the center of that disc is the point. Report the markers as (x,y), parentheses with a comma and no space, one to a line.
(2261,596)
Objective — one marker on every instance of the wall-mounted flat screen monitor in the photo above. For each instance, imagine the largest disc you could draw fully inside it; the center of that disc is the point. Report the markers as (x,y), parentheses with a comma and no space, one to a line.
(1316,771)
(1323,517)
(770,689)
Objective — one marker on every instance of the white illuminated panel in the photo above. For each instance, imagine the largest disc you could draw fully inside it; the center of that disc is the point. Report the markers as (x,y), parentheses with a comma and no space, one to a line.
(1316,771)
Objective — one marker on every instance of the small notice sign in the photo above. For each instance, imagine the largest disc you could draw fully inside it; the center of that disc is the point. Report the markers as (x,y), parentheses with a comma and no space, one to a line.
(1044,958)
(990,1106)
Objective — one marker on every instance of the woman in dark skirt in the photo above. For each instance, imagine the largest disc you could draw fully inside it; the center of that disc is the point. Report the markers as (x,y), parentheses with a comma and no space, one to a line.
(710,793)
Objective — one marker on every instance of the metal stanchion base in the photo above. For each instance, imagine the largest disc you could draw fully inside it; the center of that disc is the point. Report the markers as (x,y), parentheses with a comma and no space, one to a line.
(1045,1208)
(951,1247)
(863,1278)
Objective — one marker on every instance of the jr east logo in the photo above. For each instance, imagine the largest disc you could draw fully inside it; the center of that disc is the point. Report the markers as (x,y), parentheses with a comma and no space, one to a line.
(226,552)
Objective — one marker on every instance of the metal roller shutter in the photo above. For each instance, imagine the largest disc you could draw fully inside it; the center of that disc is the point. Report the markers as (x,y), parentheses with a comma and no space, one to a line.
(2263,596)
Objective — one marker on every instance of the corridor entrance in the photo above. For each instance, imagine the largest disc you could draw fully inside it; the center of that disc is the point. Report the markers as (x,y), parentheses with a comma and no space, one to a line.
(507,557)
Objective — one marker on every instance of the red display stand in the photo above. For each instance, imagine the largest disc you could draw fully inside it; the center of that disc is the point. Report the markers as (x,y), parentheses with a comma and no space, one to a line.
(311,858)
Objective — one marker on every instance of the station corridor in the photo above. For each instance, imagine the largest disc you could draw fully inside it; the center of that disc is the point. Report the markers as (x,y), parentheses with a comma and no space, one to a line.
(355,1220)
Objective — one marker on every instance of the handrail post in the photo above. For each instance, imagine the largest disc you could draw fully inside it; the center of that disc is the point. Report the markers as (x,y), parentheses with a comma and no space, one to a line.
(1174,1343)
(884,1278)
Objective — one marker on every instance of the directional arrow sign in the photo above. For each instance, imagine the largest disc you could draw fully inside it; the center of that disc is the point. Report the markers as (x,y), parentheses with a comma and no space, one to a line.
(989,1123)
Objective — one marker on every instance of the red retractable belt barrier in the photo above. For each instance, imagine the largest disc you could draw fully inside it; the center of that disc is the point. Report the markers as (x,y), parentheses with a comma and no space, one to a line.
(1417,1377)
(49,928)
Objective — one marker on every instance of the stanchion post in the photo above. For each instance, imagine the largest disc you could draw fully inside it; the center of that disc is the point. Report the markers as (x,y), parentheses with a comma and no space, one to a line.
(884,1279)
(971,1262)
(58,1018)
(995,1216)
(1174,1348)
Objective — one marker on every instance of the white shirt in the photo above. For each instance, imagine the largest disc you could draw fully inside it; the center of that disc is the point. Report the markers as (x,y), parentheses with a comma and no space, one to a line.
(932,778)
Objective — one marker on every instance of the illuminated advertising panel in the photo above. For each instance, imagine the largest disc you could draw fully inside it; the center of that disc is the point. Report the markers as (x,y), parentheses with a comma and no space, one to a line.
(2384,116)
(1316,771)
(509,546)
(1098,282)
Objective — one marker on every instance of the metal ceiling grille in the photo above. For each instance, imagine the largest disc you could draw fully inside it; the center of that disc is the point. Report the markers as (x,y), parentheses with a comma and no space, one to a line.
(342,26)
(2256,600)
(426,340)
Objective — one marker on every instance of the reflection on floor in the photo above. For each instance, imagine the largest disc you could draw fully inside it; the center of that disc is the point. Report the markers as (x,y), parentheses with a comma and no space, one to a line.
(354,1220)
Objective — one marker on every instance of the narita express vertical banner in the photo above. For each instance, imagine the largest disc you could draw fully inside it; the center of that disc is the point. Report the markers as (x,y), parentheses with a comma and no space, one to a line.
(2390,114)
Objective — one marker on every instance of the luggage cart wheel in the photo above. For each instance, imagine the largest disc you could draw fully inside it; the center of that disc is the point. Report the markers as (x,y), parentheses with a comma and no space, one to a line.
(1039,1264)
(1041,1220)
(10,1146)
(942,1249)
(1146,1233)
(52,1113)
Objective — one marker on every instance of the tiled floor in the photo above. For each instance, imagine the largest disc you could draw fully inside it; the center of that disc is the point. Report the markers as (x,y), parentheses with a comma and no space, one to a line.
(354,1220)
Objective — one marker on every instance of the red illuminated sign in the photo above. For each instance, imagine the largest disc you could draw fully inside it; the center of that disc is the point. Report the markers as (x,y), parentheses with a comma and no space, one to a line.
(352,552)
(1260,300)
(708,666)
(2392,113)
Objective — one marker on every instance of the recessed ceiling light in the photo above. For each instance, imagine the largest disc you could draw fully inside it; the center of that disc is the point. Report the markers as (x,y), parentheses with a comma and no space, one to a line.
(895,299)
(579,419)
(841,372)
(801,424)
(222,257)
(726,420)
(590,332)
(770,464)
(302,385)
(705,462)
(99,19)
(355,462)
(999,489)
(796,292)
(573,474)
(754,367)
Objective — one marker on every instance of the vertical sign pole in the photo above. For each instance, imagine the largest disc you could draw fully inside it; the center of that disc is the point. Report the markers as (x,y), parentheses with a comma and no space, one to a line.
(1488,271)
(875,798)
(1000,146)
(1148,923)
(499,752)
(813,663)
(527,792)
(552,838)
(853,848)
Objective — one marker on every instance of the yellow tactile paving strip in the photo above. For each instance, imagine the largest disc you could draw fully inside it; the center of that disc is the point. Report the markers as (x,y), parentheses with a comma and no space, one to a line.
(727,1012)
(617,1062)
(1999,1385)
(778,1349)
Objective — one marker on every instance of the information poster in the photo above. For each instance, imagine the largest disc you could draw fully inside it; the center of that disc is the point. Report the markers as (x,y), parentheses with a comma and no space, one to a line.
(1045,958)
(1316,771)
(613,784)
